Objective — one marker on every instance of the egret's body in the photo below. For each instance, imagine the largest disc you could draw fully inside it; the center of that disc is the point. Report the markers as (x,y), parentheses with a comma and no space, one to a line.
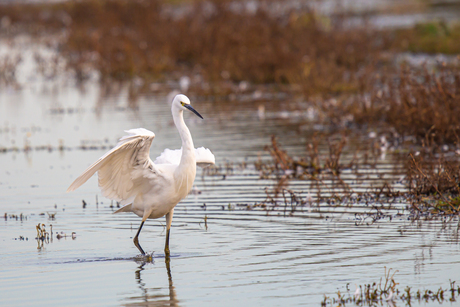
(149,190)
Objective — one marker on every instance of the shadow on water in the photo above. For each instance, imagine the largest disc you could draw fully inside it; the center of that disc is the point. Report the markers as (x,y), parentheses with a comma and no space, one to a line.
(147,298)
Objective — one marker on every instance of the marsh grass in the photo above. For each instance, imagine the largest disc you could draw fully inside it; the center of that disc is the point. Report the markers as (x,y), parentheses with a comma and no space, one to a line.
(431,180)
(431,37)
(311,165)
(434,183)
(420,103)
(218,40)
(388,290)
(8,67)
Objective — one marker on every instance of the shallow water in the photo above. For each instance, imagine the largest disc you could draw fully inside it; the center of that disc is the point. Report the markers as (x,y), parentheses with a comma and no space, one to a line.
(222,253)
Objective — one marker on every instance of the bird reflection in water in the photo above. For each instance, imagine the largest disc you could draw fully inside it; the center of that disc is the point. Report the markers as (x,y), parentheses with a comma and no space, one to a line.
(150,296)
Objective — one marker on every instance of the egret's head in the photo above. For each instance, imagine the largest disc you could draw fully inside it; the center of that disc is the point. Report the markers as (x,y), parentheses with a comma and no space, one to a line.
(183,103)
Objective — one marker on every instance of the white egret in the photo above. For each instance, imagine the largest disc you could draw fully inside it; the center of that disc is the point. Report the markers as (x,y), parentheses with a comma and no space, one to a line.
(149,189)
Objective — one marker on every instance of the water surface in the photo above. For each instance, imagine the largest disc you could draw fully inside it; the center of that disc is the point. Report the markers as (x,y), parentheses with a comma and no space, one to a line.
(222,253)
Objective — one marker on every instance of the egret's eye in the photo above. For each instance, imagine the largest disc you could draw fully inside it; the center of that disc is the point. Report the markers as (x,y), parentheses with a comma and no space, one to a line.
(182,103)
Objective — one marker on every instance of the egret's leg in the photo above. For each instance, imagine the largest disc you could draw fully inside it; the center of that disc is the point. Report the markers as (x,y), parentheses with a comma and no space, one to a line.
(136,239)
(167,244)
(169,217)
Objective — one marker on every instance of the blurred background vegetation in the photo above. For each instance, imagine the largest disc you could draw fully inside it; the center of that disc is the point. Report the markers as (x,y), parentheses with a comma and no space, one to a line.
(223,47)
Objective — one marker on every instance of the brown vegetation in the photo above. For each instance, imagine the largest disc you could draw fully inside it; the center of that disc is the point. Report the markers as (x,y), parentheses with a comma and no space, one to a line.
(434,184)
(310,165)
(219,41)
(432,181)
(386,291)
(431,37)
(416,103)
(8,67)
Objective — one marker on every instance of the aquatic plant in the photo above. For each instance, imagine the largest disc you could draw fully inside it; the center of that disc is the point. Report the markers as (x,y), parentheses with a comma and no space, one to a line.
(434,184)
(21,217)
(387,291)
(8,67)
(43,236)
(417,102)
(311,165)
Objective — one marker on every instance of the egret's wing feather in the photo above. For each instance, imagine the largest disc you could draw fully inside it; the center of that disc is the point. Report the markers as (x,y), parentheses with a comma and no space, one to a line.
(92,169)
(121,169)
(169,156)
(204,157)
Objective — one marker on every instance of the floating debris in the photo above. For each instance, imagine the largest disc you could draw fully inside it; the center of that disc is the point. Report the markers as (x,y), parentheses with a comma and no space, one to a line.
(21,217)
(205,221)
(60,235)
(52,215)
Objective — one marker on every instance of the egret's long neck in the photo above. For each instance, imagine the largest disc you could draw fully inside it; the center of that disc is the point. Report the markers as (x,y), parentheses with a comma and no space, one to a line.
(185,135)
(185,173)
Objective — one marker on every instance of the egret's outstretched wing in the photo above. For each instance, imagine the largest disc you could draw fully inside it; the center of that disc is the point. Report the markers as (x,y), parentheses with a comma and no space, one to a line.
(204,157)
(122,169)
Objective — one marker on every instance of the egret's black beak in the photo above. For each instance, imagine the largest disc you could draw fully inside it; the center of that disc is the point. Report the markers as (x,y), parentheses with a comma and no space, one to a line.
(193,110)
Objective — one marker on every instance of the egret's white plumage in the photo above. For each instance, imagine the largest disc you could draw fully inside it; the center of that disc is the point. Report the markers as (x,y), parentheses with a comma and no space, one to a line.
(204,157)
(149,189)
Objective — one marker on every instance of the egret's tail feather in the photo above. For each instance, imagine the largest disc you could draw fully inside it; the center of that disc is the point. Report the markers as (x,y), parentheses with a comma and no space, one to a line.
(127,208)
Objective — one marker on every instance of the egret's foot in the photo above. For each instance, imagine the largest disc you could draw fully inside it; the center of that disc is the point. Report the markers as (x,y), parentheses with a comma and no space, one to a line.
(149,257)
(145,258)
